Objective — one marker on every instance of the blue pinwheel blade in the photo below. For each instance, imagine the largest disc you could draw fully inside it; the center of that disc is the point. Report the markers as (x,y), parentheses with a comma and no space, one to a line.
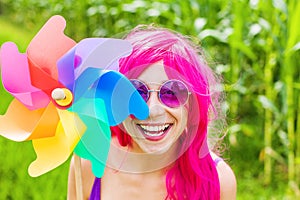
(84,83)
(120,97)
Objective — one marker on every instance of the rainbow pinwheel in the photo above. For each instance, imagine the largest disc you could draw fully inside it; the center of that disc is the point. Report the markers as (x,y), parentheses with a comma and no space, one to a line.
(94,96)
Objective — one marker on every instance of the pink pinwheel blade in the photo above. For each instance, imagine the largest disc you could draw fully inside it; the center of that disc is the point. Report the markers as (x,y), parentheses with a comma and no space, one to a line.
(16,78)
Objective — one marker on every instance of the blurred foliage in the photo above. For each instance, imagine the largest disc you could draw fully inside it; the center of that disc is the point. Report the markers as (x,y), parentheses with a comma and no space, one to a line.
(254,44)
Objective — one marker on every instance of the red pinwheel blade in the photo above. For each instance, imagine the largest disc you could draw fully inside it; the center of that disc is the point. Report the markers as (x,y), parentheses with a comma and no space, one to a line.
(43,52)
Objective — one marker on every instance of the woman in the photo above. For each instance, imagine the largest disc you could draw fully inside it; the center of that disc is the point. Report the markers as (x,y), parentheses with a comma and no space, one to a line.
(165,156)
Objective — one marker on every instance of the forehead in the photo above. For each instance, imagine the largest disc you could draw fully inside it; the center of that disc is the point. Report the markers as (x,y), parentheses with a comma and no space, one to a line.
(154,73)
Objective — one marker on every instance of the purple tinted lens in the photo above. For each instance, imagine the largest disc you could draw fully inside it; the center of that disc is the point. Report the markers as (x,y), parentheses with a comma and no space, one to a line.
(173,93)
(141,88)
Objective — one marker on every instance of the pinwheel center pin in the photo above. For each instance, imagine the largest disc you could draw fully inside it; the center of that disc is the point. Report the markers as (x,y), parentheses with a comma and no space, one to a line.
(62,96)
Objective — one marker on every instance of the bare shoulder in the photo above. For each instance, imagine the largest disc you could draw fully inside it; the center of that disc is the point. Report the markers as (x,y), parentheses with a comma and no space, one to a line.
(87,179)
(227,180)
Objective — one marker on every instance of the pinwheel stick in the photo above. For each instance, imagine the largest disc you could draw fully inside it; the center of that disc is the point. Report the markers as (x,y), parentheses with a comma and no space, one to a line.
(78,177)
(60,95)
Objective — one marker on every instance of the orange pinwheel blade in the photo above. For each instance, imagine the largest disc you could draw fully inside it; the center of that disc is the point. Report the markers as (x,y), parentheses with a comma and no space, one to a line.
(20,124)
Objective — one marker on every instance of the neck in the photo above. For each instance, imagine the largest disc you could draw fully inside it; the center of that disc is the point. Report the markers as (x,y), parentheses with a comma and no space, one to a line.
(146,186)
(126,160)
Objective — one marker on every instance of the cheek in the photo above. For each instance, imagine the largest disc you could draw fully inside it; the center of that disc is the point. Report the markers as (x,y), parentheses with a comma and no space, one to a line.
(128,125)
(182,118)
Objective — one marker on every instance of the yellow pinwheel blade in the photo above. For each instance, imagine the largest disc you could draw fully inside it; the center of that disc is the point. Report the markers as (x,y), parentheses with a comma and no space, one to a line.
(53,151)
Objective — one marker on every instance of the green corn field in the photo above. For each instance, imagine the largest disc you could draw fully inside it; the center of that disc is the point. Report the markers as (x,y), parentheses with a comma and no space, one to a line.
(253,44)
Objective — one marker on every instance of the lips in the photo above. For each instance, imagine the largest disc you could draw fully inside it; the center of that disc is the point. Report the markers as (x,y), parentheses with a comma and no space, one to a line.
(154,132)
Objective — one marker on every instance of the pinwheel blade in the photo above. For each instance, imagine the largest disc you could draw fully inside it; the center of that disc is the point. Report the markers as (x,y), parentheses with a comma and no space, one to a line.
(19,84)
(101,53)
(84,83)
(43,52)
(66,66)
(120,97)
(94,144)
(20,124)
(53,151)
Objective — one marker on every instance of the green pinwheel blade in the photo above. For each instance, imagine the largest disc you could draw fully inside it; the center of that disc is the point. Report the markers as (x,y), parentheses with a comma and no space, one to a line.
(94,144)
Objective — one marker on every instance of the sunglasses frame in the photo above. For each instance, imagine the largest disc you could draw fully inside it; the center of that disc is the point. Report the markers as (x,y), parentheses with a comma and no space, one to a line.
(159,89)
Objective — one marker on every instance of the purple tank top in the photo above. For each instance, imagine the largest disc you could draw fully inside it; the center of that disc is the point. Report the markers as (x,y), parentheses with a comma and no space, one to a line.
(96,190)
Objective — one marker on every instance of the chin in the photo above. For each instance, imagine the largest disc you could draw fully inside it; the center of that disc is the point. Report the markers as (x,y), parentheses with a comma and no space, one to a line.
(156,147)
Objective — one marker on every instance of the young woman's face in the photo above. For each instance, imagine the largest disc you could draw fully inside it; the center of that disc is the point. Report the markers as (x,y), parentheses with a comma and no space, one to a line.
(164,125)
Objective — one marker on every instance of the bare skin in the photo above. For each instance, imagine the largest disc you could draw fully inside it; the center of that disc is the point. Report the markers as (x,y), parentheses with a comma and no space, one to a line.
(149,183)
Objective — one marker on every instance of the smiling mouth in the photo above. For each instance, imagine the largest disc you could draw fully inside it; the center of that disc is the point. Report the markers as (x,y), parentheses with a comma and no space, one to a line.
(154,132)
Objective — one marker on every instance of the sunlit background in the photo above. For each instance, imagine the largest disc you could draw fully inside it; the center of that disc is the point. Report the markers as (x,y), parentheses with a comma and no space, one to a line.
(253,44)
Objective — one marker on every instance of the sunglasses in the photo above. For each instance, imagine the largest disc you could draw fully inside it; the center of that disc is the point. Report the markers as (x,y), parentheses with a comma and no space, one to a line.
(172,93)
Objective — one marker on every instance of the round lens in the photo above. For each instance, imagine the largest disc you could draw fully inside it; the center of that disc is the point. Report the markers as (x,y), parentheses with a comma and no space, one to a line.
(173,93)
(141,88)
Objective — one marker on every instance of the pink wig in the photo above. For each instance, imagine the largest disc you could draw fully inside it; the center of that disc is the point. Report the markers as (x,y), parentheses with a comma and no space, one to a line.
(193,176)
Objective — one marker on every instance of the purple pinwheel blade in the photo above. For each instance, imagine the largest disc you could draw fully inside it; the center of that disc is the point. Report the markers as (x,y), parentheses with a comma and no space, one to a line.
(66,67)
(101,53)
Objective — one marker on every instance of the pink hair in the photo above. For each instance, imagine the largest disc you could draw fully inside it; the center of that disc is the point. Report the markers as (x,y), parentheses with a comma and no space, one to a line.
(193,176)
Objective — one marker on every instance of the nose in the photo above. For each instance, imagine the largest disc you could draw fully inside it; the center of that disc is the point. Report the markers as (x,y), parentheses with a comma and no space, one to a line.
(155,106)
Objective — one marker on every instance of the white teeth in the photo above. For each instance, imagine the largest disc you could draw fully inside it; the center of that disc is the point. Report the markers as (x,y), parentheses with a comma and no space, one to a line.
(154,128)
(150,134)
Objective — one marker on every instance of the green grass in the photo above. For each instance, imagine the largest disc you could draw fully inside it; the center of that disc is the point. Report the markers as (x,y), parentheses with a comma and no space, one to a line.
(15,183)
(10,32)
(253,188)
